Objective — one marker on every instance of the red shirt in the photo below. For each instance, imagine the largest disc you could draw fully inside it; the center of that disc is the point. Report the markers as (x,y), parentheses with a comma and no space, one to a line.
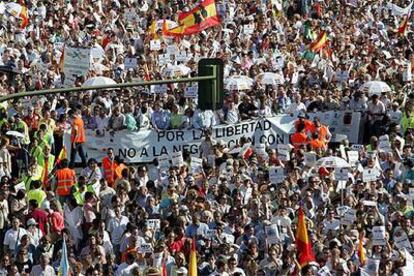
(40,217)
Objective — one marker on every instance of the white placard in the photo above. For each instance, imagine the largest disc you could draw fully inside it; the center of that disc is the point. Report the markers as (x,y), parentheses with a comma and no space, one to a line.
(185,43)
(153,224)
(191,91)
(401,240)
(342,174)
(211,233)
(164,161)
(155,45)
(411,193)
(76,63)
(357,147)
(177,158)
(172,50)
(283,152)
(196,164)
(159,89)
(407,74)
(131,63)
(310,158)
(369,203)
(378,235)
(370,175)
(181,56)
(145,248)
(276,175)
(20,186)
(260,149)
(272,234)
(353,157)
(163,59)
(324,271)
(281,221)
(248,29)
(371,267)
(349,217)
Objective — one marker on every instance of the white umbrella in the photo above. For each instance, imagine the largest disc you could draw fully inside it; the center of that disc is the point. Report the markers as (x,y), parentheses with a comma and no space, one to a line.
(13,9)
(98,81)
(15,134)
(239,83)
(332,162)
(270,78)
(375,87)
(176,71)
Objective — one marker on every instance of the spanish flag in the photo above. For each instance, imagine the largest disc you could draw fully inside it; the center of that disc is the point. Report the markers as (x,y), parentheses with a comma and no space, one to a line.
(319,43)
(192,264)
(362,255)
(62,155)
(174,32)
(304,247)
(195,21)
(24,17)
(402,29)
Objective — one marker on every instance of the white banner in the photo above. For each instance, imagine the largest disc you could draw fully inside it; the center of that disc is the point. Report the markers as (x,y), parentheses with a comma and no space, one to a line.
(146,145)
(76,63)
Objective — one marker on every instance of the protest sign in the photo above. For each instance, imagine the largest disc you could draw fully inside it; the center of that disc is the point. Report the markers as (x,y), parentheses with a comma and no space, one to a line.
(191,91)
(342,174)
(272,234)
(181,56)
(401,240)
(370,175)
(145,248)
(353,157)
(177,159)
(131,63)
(155,45)
(196,165)
(76,63)
(371,267)
(164,161)
(276,175)
(154,224)
(283,152)
(348,217)
(310,158)
(378,235)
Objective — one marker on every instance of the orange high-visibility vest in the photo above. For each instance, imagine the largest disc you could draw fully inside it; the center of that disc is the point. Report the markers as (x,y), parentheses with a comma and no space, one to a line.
(317,144)
(79,126)
(299,139)
(323,133)
(109,167)
(66,178)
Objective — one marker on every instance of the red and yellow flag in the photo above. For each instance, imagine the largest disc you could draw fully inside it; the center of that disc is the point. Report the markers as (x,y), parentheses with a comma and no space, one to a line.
(319,43)
(62,155)
(303,244)
(402,29)
(362,255)
(24,17)
(195,21)
(192,264)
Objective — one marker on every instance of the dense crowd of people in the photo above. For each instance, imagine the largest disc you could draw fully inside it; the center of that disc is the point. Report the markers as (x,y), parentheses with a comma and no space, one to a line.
(114,218)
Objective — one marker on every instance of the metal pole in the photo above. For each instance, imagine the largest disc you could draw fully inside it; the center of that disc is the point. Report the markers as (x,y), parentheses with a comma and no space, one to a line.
(100,87)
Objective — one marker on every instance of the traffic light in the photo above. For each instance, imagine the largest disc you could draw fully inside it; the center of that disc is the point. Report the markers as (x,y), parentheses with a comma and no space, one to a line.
(210,92)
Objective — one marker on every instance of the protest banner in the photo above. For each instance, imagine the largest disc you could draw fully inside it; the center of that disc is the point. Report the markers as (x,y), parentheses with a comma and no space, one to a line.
(342,174)
(76,63)
(153,224)
(146,145)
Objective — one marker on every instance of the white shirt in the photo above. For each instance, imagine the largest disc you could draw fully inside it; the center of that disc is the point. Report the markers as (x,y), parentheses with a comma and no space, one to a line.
(116,227)
(125,270)
(37,270)
(12,237)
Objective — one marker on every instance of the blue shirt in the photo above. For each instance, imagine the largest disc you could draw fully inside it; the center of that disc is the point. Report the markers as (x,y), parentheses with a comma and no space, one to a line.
(161,119)
(200,230)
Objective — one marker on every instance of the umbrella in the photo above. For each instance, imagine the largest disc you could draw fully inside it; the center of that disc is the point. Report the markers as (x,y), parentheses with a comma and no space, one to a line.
(13,9)
(239,83)
(176,71)
(15,134)
(98,81)
(332,162)
(270,78)
(375,87)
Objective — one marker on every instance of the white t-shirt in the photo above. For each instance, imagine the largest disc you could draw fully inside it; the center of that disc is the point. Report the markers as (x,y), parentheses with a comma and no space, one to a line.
(12,237)
(116,228)
(37,270)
